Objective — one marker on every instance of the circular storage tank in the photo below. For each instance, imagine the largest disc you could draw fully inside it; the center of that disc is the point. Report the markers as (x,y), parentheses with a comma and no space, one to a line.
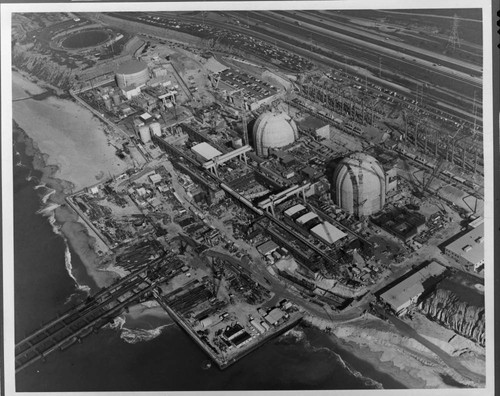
(132,72)
(359,185)
(144,134)
(155,129)
(273,130)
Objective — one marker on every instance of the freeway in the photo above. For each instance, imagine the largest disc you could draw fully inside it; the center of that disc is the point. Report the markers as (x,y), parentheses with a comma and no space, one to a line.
(287,39)
(387,42)
(328,34)
(450,96)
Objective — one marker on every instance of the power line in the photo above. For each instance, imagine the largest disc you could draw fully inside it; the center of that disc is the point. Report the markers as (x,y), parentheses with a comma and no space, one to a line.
(454,39)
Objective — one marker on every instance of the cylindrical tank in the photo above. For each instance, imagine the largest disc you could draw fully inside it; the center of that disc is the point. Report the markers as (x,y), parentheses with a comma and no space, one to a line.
(155,129)
(132,72)
(116,99)
(145,134)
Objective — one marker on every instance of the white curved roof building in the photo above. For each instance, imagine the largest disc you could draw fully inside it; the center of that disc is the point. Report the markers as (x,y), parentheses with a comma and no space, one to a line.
(359,184)
(273,130)
(132,73)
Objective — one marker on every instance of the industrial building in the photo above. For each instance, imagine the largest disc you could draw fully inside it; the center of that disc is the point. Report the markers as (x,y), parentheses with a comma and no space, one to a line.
(328,233)
(267,247)
(132,73)
(468,250)
(407,291)
(359,184)
(296,211)
(205,152)
(273,130)
(400,223)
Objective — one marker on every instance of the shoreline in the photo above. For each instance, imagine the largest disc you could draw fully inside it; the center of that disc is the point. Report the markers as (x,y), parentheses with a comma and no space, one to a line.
(98,272)
(83,244)
(403,359)
(73,231)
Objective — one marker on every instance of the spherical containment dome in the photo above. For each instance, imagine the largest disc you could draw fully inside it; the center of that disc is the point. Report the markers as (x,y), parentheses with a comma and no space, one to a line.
(273,130)
(359,184)
(132,72)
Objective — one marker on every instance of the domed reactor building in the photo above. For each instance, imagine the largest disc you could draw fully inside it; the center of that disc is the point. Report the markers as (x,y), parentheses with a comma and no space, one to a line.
(273,130)
(132,73)
(359,185)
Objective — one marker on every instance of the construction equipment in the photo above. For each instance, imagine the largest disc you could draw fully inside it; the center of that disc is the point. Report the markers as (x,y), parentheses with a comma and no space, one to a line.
(217,275)
(426,184)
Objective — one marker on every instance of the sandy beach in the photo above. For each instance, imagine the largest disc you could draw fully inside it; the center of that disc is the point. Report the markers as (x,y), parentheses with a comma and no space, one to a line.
(72,138)
(76,155)
(403,358)
(70,148)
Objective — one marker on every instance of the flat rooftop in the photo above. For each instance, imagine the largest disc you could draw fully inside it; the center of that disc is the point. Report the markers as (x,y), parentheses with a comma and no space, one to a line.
(308,216)
(294,209)
(206,151)
(328,232)
(412,286)
(470,246)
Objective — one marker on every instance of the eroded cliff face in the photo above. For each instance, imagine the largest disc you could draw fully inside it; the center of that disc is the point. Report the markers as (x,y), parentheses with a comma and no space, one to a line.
(41,66)
(449,310)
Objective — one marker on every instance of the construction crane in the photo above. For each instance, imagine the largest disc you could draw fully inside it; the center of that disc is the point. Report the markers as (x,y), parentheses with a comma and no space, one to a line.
(426,185)
(217,275)
(244,124)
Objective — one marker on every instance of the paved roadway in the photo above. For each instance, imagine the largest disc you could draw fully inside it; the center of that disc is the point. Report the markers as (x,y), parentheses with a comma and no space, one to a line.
(409,60)
(273,32)
(359,31)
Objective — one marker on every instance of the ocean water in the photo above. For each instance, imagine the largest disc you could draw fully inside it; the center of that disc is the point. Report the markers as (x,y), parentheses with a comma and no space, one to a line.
(49,277)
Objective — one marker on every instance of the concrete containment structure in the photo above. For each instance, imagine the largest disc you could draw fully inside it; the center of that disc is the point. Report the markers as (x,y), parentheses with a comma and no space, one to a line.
(132,73)
(359,184)
(273,130)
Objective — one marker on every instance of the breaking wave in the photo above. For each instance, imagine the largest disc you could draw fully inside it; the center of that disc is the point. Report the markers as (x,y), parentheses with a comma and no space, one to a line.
(49,212)
(47,196)
(69,268)
(117,323)
(366,380)
(294,333)
(133,336)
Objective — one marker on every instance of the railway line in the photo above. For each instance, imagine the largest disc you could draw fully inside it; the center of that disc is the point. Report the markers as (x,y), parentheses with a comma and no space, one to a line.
(442,98)
(356,50)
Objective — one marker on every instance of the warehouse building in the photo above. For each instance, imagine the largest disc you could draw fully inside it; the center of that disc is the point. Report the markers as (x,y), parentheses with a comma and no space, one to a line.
(328,233)
(468,250)
(296,211)
(267,248)
(205,152)
(407,292)
(274,316)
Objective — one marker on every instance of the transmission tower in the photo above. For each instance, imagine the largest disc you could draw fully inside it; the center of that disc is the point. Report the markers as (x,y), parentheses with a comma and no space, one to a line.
(453,39)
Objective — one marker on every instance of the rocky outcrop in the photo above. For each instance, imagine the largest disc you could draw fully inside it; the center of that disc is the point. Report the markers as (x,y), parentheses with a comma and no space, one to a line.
(448,309)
